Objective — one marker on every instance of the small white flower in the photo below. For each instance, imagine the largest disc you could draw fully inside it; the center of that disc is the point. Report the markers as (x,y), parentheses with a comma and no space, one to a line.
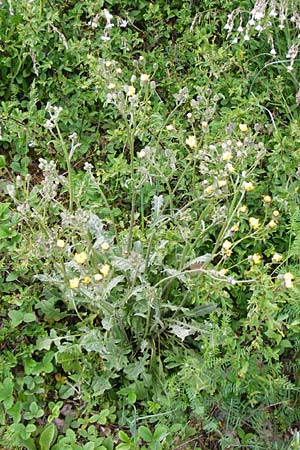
(141,154)
(191,141)
(170,127)
(145,77)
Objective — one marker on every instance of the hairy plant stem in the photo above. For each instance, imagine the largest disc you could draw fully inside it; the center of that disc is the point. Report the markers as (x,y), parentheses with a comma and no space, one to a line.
(68,162)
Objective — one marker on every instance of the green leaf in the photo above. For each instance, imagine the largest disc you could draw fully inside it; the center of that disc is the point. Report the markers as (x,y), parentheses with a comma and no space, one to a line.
(2,162)
(145,434)
(29,317)
(15,412)
(44,343)
(48,436)
(16,317)
(160,432)
(102,418)
(89,446)
(12,276)
(5,231)
(123,436)
(6,393)
(123,447)
(131,397)
(29,444)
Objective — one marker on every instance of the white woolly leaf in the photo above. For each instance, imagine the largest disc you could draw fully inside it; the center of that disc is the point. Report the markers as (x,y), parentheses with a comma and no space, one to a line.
(181,331)
(112,283)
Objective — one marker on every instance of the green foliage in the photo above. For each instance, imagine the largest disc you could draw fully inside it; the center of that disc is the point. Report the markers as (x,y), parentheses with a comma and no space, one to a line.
(149,225)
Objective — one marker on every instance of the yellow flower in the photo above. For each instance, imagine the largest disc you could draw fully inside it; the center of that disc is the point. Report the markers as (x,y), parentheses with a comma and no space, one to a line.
(209,190)
(60,243)
(267,199)
(86,280)
(235,227)
(111,86)
(223,272)
(248,186)
(80,258)
(74,283)
(272,224)
(243,127)
(98,277)
(288,279)
(243,209)
(254,223)
(119,70)
(230,168)
(277,257)
(256,258)
(227,156)
(105,246)
(130,91)
(105,269)
(191,141)
(228,253)
(276,213)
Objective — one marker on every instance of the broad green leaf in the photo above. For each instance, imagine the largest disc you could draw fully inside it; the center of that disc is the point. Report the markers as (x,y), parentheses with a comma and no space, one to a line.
(89,446)
(48,436)
(123,446)
(145,434)
(29,317)
(16,317)
(123,436)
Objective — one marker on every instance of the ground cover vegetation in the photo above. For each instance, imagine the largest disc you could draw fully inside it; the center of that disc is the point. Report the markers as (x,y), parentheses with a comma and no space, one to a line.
(150,223)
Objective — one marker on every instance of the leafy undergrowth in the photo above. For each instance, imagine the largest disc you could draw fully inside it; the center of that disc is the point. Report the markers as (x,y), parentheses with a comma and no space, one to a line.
(149,225)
